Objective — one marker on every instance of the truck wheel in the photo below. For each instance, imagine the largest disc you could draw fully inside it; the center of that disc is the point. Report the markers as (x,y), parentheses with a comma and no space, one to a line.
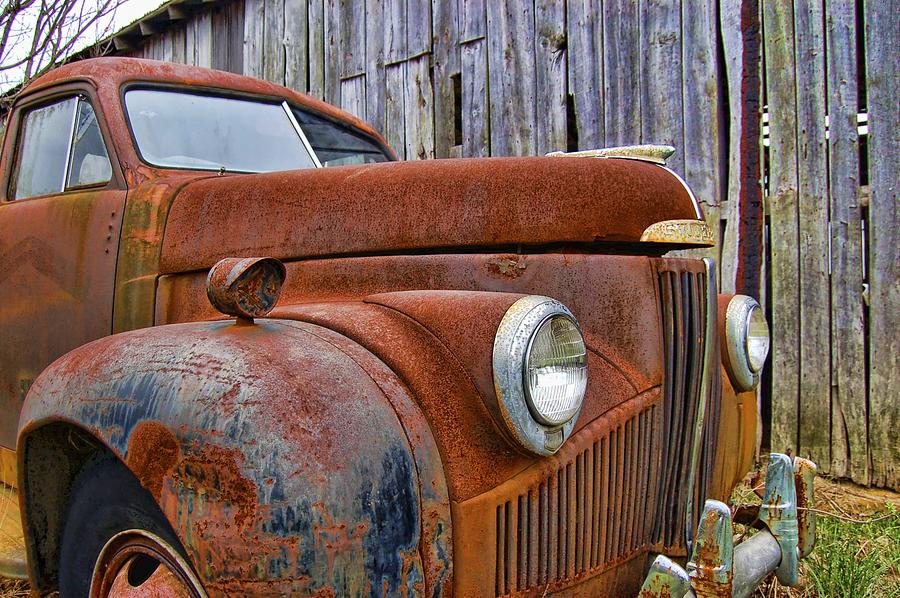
(116,541)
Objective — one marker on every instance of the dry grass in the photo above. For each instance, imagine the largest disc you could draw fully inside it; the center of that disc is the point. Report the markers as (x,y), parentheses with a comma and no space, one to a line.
(11,588)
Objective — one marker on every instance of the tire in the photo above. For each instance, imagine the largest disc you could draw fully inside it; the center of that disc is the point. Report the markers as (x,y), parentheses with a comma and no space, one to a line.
(106,499)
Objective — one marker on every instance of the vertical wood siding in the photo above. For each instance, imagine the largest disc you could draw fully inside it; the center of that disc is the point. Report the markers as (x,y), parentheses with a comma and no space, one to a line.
(466,78)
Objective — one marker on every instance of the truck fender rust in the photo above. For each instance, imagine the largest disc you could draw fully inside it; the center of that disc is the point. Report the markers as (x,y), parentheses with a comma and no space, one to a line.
(288,459)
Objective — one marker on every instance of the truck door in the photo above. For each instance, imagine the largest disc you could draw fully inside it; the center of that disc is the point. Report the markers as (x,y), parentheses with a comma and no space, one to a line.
(60,218)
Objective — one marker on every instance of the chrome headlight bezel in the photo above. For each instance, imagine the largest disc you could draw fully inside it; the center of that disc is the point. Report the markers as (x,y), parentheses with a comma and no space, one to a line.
(511,348)
(738,317)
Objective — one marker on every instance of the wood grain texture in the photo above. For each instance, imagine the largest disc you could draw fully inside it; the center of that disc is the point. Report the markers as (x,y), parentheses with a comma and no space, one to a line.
(550,59)
(273,42)
(418,28)
(784,237)
(352,35)
(394,107)
(375,80)
(511,77)
(446,65)
(703,144)
(732,42)
(254,27)
(316,40)
(395,31)
(472,21)
(419,109)
(849,433)
(584,38)
(812,227)
(883,104)
(353,95)
(203,40)
(622,68)
(662,104)
(475,101)
(333,52)
(296,45)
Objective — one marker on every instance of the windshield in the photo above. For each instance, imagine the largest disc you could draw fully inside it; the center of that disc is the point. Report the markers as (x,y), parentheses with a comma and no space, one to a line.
(182,130)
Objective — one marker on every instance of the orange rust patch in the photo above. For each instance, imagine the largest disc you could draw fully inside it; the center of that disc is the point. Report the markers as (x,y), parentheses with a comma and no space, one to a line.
(216,471)
(509,266)
(152,452)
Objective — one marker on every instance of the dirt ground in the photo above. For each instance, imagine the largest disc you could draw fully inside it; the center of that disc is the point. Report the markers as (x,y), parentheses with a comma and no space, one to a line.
(857,554)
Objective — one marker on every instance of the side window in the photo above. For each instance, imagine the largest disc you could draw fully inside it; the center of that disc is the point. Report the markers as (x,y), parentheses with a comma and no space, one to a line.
(336,145)
(60,148)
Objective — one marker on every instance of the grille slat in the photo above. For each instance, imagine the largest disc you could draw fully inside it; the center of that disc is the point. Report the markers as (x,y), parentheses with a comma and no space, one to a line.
(581,517)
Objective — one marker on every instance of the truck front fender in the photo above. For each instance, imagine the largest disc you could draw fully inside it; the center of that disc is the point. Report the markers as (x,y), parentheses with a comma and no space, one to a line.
(287,458)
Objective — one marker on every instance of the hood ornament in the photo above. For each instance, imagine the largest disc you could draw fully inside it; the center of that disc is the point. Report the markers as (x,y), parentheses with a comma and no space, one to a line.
(658,154)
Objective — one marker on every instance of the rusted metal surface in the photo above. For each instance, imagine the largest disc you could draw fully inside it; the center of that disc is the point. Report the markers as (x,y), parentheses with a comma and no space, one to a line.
(665,580)
(403,207)
(711,566)
(804,479)
(245,287)
(779,513)
(282,464)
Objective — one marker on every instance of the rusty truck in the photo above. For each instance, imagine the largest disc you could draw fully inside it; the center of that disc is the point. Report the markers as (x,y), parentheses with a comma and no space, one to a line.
(245,351)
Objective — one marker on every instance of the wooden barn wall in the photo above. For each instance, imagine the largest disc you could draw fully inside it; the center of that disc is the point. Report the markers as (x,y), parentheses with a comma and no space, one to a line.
(458,78)
(833,162)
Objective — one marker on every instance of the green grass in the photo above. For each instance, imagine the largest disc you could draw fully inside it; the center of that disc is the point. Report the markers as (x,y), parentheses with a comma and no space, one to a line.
(856,560)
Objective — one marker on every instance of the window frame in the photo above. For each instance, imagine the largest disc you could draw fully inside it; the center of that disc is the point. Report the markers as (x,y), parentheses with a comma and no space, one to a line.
(12,144)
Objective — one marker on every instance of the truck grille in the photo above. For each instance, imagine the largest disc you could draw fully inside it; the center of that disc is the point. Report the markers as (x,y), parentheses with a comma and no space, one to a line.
(683,307)
(588,513)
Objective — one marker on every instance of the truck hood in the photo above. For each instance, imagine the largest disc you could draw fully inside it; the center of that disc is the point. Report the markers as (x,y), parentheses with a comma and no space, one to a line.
(408,207)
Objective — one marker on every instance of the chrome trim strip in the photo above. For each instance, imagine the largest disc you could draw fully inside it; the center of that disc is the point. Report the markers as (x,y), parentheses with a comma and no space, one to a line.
(686,188)
(299,129)
(706,378)
(71,145)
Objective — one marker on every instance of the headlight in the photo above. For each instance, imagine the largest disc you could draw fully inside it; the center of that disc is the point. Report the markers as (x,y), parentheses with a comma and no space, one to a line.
(746,341)
(540,372)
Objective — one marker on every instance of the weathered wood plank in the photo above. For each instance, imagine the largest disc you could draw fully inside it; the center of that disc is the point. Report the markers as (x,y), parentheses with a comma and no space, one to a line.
(419,109)
(622,67)
(732,42)
(316,15)
(332,53)
(475,101)
(203,40)
(178,37)
(446,65)
(395,117)
(550,58)
(849,435)
(585,69)
(394,31)
(353,96)
(662,106)
(782,201)
(472,20)
(190,42)
(375,81)
(882,100)
(219,37)
(812,210)
(254,28)
(418,28)
(296,45)
(703,141)
(352,27)
(273,42)
(511,73)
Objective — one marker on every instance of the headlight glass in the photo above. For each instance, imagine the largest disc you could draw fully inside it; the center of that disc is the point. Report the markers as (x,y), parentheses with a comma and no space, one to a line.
(556,371)
(757,339)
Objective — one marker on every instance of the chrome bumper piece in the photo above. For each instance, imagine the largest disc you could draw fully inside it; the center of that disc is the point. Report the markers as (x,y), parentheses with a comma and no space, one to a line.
(718,568)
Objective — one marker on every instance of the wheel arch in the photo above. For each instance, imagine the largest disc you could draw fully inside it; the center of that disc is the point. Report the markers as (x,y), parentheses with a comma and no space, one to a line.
(242,439)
